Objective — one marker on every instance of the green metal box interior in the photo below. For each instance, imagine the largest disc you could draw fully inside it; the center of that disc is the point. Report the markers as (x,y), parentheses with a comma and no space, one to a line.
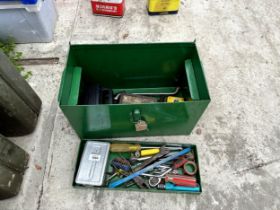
(134,68)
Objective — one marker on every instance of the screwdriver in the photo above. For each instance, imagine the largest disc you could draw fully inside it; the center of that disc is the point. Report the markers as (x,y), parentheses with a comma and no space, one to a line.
(147,152)
(180,180)
(170,186)
(118,172)
(135,147)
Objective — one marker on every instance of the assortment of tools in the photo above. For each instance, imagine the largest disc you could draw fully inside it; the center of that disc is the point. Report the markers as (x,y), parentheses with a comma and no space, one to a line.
(135,99)
(148,97)
(170,167)
(94,94)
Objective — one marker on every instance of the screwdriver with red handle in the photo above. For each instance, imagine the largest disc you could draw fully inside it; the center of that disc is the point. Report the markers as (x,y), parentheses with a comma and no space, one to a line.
(181,180)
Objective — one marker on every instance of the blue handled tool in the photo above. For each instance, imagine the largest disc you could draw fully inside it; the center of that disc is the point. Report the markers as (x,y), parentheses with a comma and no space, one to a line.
(148,168)
(170,186)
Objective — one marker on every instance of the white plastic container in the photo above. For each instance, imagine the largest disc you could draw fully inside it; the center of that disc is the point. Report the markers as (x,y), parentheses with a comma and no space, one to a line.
(27,23)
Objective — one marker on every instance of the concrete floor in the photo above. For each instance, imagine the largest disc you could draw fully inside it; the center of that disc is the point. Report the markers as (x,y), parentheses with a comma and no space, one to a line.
(238,137)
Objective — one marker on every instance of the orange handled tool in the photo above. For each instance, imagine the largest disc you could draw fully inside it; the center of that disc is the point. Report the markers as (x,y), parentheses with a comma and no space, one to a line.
(181,180)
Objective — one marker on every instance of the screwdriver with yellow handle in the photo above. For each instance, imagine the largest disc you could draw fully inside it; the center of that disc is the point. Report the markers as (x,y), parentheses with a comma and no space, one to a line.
(123,147)
(147,152)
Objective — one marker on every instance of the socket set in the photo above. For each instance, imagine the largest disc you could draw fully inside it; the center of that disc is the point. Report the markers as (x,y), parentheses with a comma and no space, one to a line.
(152,167)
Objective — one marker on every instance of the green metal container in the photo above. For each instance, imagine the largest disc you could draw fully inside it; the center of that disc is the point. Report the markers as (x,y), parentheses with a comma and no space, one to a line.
(133,68)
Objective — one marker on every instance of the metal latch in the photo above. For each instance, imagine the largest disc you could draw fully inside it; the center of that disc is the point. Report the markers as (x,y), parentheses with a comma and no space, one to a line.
(139,123)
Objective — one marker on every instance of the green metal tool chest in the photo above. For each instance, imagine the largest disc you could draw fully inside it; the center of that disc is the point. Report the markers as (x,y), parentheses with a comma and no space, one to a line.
(133,68)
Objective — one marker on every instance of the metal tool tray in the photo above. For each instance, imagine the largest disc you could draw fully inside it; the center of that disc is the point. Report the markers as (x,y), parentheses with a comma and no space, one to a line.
(112,155)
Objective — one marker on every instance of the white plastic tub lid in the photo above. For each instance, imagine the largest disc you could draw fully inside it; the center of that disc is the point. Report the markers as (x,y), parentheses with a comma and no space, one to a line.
(18,5)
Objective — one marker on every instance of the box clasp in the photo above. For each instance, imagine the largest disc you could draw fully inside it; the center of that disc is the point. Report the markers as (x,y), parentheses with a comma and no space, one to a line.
(139,122)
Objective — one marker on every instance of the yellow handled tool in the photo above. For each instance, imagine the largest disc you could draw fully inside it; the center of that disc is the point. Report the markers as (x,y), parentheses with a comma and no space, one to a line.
(122,147)
(172,99)
(125,147)
(148,152)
